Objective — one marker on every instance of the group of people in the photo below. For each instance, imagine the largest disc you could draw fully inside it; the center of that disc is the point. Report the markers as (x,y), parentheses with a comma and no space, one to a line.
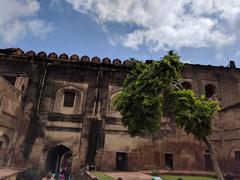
(63,174)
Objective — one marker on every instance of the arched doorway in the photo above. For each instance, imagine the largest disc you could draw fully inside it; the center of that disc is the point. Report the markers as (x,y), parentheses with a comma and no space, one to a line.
(58,157)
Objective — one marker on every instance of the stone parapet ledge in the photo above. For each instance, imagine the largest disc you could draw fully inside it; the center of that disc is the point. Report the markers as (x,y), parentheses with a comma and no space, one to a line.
(7,173)
(17,53)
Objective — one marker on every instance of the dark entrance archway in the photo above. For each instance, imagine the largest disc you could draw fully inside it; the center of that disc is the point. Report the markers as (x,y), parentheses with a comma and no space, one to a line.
(58,157)
(168,160)
(121,161)
(208,161)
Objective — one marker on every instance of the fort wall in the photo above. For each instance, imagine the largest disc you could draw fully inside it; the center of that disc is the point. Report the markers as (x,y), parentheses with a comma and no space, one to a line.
(67,108)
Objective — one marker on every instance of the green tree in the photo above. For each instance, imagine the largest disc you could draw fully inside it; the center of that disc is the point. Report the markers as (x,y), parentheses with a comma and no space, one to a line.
(194,115)
(141,100)
(150,91)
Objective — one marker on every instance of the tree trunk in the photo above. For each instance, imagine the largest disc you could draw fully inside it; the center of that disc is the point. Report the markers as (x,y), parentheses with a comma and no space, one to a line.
(214,159)
(153,148)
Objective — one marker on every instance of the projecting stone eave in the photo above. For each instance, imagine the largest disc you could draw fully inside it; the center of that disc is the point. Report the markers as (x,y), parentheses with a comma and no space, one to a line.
(231,107)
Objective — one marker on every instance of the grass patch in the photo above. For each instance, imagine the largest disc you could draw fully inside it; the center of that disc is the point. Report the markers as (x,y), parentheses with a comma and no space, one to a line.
(101,175)
(168,177)
(155,173)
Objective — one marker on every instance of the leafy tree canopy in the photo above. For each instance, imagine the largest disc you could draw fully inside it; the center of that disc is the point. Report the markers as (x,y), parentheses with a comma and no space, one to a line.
(141,100)
(191,113)
(142,104)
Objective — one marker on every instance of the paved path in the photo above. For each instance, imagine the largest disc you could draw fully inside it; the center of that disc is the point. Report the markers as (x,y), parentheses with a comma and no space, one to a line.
(129,175)
(142,175)
(184,172)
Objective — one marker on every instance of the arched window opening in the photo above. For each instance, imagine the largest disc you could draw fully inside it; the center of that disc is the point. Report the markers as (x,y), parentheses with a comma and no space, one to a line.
(112,111)
(68,100)
(210,91)
(186,85)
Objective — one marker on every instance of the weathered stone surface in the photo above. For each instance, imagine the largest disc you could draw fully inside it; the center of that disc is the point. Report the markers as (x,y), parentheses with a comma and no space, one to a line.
(36,122)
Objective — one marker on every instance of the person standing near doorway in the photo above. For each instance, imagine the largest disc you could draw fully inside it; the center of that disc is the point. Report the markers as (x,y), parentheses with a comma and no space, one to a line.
(61,175)
(68,173)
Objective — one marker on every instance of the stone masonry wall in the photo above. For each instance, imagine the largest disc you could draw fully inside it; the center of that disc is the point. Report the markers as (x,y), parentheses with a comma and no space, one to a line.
(92,129)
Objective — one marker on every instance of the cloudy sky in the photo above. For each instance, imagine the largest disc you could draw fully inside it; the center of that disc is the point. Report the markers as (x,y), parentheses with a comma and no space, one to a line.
(201,31)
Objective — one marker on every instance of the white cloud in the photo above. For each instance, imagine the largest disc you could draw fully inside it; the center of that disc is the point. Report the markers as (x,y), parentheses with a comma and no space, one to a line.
(237,54)
(39,27)
(168,23)
(18,18)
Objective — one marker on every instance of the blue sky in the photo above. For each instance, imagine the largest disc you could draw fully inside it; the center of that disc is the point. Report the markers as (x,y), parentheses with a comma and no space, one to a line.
(202,32)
